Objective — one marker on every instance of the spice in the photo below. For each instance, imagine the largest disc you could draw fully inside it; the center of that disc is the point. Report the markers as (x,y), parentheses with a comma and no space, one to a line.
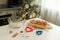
(21,31)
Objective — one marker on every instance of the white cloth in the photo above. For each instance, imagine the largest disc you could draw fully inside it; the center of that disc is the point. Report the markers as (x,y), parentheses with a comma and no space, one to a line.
(52,34)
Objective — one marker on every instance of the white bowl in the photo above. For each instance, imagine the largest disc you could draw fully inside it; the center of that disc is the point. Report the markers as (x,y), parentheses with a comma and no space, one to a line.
(16,24)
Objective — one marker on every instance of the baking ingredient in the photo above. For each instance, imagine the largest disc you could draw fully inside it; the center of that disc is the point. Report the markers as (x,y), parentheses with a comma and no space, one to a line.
(14,35)
(21,31)
(27,36)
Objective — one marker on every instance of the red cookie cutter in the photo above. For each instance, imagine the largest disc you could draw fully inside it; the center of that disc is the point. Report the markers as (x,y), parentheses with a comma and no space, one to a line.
(28,29)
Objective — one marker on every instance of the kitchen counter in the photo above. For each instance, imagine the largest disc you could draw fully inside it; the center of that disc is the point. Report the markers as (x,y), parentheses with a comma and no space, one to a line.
(52,34)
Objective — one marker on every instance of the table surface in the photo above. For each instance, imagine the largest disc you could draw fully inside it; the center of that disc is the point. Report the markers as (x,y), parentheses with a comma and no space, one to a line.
(53,34)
